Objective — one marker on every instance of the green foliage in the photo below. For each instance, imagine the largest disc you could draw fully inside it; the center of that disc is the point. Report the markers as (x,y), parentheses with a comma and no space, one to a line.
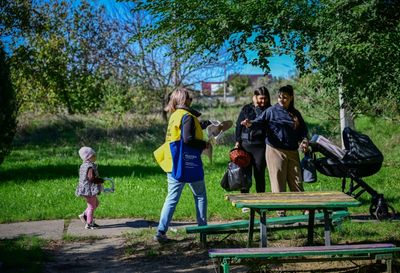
(8,108)
(207,26)
(147,100)
(116,97)
(318,104)
(351,44)
(15,17)
(239,84)
(61,63)
(354,47)
(122,97)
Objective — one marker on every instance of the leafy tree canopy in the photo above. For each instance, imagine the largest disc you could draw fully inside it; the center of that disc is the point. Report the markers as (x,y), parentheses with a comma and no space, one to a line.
(353,44)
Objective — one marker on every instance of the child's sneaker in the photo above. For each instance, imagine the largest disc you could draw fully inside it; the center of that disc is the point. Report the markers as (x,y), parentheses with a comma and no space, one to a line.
(82,217)
(90,226)
(95,225)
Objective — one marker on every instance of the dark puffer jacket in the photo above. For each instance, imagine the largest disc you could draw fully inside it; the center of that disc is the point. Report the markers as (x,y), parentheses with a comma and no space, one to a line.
(255,134)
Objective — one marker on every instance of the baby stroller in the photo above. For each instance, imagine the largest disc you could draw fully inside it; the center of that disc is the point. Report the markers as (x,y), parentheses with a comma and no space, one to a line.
(361,158)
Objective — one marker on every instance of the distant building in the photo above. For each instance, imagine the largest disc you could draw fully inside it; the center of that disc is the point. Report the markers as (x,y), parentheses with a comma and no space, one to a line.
(211,88)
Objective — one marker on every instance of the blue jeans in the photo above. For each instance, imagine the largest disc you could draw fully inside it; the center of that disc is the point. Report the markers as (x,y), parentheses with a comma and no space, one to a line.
(174,193)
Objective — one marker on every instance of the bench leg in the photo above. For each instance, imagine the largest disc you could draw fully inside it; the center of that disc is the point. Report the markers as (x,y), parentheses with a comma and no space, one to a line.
(263,228)
(203,240)
(251,228)
(225,266)
(387,259)
(327,227)
(389,265)
(310,229)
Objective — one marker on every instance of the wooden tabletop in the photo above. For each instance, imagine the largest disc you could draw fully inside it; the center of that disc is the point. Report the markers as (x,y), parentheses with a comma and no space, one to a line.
(293,200)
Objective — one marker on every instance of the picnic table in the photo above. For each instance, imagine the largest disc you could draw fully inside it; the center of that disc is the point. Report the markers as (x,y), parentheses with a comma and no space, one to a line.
(261,203)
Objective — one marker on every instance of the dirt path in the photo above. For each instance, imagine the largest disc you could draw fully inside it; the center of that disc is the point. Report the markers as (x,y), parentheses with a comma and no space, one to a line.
(109,255)
(121,254)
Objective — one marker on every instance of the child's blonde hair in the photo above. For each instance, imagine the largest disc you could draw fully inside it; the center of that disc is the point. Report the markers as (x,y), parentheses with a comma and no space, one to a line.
(178,97)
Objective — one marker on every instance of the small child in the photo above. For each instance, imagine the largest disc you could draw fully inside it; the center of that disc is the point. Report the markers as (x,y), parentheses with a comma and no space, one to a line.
(90,185)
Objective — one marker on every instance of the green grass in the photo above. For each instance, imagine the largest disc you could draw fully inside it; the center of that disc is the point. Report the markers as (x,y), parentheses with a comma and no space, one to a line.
(38,179)
(23,254)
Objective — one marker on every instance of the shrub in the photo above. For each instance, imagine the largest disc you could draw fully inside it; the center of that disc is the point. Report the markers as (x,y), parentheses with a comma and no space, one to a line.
(8,108)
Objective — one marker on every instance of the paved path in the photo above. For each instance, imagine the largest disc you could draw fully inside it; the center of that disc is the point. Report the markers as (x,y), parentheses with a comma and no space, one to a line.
(55,229)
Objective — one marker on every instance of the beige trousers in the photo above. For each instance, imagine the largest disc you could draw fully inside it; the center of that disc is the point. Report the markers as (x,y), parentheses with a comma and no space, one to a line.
(283,167)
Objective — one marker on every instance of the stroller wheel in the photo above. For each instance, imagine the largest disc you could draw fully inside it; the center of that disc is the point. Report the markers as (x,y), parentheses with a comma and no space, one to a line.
(382,211)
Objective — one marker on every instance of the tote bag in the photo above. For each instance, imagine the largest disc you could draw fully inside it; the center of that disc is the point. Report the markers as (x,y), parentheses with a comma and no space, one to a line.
(187,165)
(308,169)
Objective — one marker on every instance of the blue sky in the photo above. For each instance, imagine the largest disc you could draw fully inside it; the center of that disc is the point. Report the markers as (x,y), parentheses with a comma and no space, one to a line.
(281,66)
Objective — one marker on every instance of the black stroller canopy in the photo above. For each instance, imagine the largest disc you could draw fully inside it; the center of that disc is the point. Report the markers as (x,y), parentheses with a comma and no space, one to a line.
(359,148)
(360,158)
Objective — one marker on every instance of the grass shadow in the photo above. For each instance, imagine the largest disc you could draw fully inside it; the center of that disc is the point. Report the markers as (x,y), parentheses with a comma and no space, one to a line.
(67,130)
(51,172)
(22,254)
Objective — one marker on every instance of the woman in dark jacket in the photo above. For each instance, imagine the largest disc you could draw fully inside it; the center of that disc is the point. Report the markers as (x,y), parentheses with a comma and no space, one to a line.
(286,133)
(252,139)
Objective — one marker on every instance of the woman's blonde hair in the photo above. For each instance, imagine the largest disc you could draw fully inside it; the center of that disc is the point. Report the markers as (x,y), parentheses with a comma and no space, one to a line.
(178,97)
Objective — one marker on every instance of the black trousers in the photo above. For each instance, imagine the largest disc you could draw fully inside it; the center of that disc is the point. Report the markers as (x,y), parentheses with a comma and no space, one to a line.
(257,166)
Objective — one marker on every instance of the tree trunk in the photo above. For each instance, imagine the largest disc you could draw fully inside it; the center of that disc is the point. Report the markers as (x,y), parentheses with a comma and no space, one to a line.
(346,117)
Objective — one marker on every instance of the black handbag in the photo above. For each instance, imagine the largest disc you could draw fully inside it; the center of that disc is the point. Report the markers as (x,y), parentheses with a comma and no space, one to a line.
(236,178)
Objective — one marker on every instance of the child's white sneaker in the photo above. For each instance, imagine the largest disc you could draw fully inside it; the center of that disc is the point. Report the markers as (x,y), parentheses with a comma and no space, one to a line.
(82,217)
(95,225)
(91,226)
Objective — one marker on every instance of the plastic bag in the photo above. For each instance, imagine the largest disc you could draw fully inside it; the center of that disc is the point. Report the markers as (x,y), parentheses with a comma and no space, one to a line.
(236,178)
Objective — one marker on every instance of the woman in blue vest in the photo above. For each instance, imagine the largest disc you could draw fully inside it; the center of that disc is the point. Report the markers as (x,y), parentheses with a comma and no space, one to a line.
(180,158)
(252,139)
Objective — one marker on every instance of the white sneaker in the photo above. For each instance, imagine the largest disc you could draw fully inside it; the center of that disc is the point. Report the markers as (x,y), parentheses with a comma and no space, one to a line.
(82,217)
(160,238)
(91,226)
(245,210)
(95,225)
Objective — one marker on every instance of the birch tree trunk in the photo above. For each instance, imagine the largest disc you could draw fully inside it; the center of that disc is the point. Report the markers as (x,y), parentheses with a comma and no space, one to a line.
(346,117)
